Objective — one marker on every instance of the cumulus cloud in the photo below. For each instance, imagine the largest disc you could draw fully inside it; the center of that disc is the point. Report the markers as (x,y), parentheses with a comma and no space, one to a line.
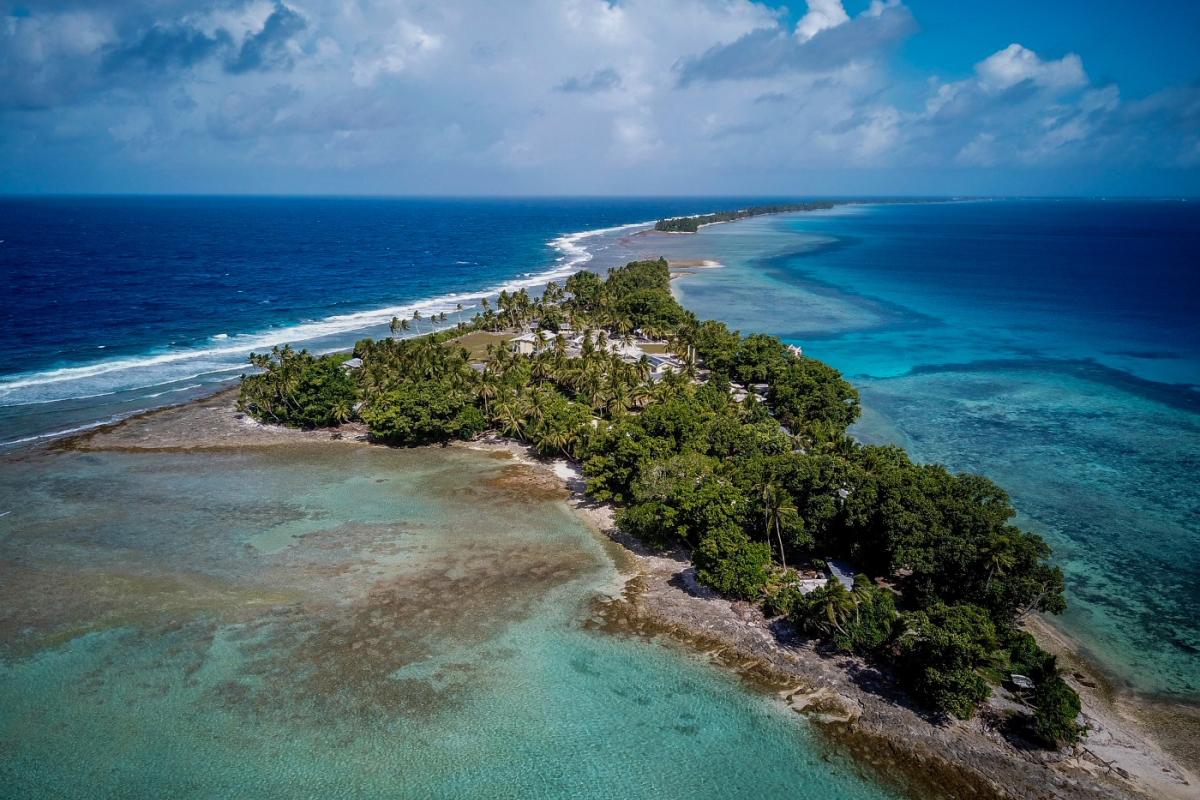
(267,48)
(1016,64)
(164,48)
(545,95)
(825,39)
(822,14)
(49,59)
(405,44)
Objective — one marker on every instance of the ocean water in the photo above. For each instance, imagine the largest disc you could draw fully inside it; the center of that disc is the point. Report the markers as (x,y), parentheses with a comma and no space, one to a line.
(1053,346)
(343,621)
(116,304)
(285,621)
(318,620)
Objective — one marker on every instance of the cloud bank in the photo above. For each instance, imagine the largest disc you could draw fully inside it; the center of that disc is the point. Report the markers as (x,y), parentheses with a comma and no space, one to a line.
(553,96)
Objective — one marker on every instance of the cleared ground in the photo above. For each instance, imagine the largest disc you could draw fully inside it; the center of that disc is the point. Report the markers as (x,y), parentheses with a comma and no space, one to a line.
(476,342)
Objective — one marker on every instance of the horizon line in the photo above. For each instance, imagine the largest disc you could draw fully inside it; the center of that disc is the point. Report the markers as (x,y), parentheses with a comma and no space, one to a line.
(862,197)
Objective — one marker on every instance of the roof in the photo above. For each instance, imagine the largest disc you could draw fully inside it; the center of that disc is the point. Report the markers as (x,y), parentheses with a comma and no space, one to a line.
(352,363)
(1022,682)
(843,571)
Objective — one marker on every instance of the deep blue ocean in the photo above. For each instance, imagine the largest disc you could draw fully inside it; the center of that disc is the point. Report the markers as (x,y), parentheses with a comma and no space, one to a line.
(1051,345)
(114,304)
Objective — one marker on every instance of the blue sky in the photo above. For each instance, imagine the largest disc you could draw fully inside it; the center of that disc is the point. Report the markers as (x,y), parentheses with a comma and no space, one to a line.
(601,97)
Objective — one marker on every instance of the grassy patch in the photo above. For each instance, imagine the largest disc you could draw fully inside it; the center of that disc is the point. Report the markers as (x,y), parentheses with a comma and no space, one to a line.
(477,342)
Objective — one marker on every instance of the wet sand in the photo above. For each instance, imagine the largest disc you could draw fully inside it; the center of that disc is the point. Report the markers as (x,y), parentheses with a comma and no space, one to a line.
(858,707)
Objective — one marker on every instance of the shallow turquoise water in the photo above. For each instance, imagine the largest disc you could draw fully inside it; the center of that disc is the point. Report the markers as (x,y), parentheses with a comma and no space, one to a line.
(1054,347)
(346,622)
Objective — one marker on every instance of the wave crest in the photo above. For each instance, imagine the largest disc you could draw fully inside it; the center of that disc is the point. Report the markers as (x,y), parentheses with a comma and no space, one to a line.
(227,353)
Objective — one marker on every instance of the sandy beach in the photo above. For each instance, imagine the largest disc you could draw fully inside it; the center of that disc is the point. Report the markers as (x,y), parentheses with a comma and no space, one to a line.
(855,705)
(687,266)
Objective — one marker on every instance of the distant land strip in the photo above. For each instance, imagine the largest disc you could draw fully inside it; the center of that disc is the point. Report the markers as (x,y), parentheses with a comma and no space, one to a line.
(693,223)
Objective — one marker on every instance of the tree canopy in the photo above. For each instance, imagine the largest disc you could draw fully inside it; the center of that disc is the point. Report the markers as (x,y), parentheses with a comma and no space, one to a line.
(749,488)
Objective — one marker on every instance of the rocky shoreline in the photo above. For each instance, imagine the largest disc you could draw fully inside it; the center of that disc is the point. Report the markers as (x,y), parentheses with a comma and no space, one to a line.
(856,706)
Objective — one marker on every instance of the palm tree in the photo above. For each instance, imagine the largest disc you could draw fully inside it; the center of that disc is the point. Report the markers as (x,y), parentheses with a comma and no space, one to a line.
(341,411)
(537,403)
(458,313)
(508,414)
(394,325)
(543,366)
(487,387)
(838,604)
(640,394)
(619,397)
(999,557)
(862,594)
(417,318)
(778,511)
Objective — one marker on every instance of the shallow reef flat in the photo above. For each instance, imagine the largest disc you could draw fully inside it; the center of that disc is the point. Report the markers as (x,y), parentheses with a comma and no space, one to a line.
(189,617)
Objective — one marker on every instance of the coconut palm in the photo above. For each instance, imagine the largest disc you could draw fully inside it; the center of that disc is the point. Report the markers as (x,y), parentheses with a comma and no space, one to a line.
(543,366)
(487,386)
(641,394)
(341,411)
(778,512)
(537,403)
(619,397)
(863,594)
(999,557)
(508,415)
(838,604)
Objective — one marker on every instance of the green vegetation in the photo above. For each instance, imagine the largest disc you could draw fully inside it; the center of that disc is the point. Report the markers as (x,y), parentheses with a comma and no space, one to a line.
(692,224)
(298,389)
(747,487)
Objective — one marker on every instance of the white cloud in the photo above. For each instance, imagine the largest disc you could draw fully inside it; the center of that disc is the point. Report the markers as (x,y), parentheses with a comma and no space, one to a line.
(1016,64)
(822,14)
(405,44)
(545,95)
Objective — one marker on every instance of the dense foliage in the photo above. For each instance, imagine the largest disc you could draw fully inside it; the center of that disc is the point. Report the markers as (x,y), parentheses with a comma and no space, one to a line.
(692,224)
(747,486)
(298,389)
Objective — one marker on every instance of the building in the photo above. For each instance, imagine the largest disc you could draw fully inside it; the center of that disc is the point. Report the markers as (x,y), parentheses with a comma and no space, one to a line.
(524,345)
(842,571)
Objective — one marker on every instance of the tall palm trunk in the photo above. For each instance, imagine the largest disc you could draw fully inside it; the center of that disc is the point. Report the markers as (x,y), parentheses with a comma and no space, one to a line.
(779,536)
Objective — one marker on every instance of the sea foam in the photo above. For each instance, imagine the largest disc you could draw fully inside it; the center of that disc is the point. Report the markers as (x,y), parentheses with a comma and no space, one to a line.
(226,353)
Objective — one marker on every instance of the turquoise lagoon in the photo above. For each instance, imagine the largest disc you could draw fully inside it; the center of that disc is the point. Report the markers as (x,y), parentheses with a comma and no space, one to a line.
(1052,346)
(347,621)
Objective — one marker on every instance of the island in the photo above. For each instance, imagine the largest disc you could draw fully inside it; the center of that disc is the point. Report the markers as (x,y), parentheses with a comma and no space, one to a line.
(694,223)
(733,448)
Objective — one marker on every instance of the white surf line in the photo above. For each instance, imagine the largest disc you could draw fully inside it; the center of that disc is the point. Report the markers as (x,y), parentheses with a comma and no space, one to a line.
(69,431)
(574,255)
